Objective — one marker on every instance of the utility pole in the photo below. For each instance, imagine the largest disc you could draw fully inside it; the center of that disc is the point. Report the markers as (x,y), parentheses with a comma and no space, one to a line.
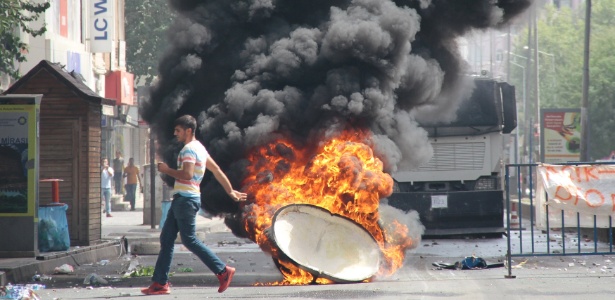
(528,67)
(585,100)
(152,176)
(538,117)
(508,60)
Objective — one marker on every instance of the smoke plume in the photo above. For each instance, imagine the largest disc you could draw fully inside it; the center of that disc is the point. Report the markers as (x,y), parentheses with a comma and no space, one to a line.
(250,70)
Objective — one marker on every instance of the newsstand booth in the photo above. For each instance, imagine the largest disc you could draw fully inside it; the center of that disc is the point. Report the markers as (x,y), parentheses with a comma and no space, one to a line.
(70,140)
(19,115)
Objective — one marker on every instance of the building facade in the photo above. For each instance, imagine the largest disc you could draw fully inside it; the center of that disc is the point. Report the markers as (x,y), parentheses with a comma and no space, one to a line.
(88,37)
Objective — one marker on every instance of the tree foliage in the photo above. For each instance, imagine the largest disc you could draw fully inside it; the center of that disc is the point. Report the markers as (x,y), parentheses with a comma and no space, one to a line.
(15,15)
(561,44)
(147,23)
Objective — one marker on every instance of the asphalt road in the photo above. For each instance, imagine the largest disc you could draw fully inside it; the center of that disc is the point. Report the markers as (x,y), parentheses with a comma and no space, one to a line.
(565,277)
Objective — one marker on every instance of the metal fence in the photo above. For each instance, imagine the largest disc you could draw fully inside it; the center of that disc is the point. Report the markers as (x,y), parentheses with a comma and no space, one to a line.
(525,238)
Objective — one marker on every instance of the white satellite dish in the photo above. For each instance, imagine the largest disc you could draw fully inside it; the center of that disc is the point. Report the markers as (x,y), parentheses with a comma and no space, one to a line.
(325,244)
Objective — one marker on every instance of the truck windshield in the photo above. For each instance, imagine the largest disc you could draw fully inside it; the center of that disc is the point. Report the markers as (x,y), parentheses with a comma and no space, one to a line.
(481,112)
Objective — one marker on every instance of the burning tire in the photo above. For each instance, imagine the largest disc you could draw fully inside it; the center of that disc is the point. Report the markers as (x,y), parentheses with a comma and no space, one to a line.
(325,244)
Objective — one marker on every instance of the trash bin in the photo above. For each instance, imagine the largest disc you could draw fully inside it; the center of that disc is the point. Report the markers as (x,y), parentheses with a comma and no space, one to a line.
(166,205)
(53,228)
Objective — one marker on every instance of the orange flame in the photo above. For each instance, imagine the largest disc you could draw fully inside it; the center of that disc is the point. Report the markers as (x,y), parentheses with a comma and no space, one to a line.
(341,175)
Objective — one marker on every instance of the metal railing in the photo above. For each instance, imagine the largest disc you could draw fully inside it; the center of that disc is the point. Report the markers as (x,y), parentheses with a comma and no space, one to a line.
(547,239)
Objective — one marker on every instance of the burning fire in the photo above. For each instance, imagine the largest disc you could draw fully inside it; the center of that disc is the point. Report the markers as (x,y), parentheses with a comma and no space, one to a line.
(341,175)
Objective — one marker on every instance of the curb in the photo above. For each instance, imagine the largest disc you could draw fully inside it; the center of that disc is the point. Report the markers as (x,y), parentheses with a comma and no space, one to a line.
(83,255)
(204,280)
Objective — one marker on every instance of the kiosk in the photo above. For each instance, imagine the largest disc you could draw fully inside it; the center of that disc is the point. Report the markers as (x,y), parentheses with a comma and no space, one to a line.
(19,153)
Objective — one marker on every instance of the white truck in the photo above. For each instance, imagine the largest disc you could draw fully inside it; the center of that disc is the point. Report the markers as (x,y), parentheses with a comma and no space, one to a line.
(459,191)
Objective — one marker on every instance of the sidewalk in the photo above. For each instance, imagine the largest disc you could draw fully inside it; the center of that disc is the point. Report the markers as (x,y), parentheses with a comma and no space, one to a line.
(125,228)
(129,224)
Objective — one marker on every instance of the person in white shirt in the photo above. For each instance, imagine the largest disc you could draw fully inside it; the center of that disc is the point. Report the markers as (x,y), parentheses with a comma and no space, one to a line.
(106,177)
(192,162)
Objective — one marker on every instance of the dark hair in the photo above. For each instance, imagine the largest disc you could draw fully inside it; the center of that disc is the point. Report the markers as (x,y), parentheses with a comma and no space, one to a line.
(186,122)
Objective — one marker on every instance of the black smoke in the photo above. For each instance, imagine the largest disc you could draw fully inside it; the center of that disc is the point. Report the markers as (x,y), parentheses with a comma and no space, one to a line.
(251,70)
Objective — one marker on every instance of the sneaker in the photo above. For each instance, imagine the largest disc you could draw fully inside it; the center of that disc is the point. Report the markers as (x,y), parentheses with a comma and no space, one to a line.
(157,289)
(109,216)
(225,278)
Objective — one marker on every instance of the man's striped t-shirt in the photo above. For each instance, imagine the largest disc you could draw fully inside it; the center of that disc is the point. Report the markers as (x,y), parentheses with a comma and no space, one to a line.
(195,153)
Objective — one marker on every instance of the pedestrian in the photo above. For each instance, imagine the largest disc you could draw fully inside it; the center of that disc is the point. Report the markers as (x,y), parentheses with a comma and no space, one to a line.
(192,161)
(105,184)
(118,166)
(132,175)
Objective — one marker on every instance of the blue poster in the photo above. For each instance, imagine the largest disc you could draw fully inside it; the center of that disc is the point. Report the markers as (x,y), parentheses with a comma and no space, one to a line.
(13,160)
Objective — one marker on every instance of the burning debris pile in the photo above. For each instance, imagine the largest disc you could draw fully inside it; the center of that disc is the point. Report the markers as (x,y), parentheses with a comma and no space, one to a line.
(340,175)
(315,101)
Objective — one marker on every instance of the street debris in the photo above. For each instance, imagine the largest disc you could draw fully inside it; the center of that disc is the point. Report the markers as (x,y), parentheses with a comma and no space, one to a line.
(103,262)
(468,263)
(20,291)
(519,265)
(39,277)
(140,271)
(64,269)
(129,266)
(94,279)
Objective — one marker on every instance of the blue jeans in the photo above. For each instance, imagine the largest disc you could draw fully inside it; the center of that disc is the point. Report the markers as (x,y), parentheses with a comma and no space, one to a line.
(131,194)
(117,178)
(106,192)
(181,218)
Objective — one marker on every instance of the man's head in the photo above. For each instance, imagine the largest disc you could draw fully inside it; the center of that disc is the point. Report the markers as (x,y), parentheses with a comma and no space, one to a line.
(185,127)
(118,153)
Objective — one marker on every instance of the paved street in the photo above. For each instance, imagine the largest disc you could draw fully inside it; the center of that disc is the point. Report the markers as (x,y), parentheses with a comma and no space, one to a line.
(565,277)
(585,277)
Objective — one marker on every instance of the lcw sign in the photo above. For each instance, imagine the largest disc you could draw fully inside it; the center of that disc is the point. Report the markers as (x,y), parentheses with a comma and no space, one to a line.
(101,25)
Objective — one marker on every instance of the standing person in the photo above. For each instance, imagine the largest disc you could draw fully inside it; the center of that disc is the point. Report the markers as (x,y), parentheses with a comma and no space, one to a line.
(105,184)
(131,173)
(118,165)
(192,161)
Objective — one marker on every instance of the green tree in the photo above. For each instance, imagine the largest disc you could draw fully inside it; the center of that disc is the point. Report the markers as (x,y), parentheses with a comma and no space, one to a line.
(147,23)
(561,33)
(16,15)
(602,79)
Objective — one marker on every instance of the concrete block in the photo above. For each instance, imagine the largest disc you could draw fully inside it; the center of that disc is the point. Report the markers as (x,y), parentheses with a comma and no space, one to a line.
(118,204)
(145,248)
(199,236)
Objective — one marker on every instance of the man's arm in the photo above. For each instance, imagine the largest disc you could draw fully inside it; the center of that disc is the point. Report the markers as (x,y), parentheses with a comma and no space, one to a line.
(185,173)
(223,180)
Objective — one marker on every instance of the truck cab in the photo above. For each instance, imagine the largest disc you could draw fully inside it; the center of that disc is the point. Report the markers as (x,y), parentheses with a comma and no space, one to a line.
(459,191)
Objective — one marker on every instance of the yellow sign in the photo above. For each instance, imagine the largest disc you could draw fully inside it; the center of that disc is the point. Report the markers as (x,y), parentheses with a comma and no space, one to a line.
(18,178)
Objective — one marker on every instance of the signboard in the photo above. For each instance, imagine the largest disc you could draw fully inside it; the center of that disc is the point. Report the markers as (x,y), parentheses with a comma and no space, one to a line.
(64,18)
(16,156)
(561,138)
(119,85)
(108,110)
(19,174)
(102,25)
(585,189)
